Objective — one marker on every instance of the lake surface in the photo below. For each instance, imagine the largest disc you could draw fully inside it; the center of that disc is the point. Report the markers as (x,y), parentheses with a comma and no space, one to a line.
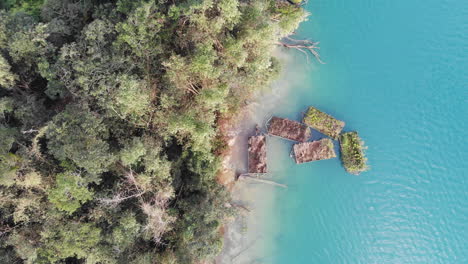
(397,72)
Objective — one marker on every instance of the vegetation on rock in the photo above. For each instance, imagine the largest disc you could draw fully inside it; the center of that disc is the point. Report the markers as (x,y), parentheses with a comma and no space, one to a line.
(352,153)
(108,123)
(324,123)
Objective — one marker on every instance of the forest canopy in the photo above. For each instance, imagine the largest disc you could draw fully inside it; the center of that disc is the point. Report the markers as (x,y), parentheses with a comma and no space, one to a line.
(108,123)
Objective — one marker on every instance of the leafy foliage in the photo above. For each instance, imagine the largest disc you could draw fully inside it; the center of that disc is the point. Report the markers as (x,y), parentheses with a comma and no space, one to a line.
(7,79)
(352,153)
(76,125)
(70,239)
(70,192)
(323,122)
(31,7)
(108,123)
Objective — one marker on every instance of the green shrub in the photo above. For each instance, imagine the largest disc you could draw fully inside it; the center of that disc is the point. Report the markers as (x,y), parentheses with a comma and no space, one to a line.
(352,153)
(324,123)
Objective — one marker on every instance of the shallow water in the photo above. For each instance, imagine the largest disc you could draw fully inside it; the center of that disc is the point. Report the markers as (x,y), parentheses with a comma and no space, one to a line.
(396,71)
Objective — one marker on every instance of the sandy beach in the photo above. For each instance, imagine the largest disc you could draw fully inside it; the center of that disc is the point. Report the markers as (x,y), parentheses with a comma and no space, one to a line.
(244,240)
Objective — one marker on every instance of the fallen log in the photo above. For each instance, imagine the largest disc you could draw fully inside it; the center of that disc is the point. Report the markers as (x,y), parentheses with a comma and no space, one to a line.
(247,176)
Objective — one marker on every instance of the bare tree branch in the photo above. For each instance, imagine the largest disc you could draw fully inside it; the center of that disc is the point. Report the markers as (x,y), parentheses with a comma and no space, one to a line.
(128,191)
(154,204)
(303,46)
(158,219)
(29,131)
(192,88)
(118,198)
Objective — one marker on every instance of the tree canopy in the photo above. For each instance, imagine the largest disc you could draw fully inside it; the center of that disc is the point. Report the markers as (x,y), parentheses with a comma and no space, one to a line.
(108,123)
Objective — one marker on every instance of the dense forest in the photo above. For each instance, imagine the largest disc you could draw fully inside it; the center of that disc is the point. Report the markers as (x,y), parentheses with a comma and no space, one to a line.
(108,123)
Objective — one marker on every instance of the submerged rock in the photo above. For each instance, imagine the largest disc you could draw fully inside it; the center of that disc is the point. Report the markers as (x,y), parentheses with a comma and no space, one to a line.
(315,150)
(289,129)
(324,123)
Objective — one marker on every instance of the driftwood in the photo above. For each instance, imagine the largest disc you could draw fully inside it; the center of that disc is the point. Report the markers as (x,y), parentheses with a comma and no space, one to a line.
(295,3)
(304,46)
(247,176)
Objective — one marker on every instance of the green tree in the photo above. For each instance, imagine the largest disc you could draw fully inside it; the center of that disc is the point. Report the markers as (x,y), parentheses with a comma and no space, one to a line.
(32,7)
(126,232)
(7,78)
(80,136)
(69,239)
(109,123)
(70,192)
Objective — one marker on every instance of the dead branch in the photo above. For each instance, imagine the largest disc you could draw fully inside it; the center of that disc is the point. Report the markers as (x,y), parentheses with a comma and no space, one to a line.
(153,204)
(247,176)
(159,221)
(119,198)
(128,191)
(191,88)
(35,148)
(304,46)
(7,229)
(301,3)
(131,179)
(29,131)
(267,122)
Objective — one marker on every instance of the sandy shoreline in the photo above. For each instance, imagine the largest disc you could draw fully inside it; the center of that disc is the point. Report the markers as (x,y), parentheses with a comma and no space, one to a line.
(244,240)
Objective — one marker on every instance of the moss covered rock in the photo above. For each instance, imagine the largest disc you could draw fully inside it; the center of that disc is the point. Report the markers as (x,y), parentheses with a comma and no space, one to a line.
(324,123)
(352,153)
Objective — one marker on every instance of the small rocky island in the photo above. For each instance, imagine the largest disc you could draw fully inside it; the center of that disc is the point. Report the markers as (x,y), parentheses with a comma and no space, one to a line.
(352,154)
(288,129)
(323,123)
(315,150)
(351,145)
(257,154)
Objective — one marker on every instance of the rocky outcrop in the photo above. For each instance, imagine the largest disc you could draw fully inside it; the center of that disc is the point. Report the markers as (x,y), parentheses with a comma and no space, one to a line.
(289,129)
(352,153)
(315,150)
(257,154)
(323,123)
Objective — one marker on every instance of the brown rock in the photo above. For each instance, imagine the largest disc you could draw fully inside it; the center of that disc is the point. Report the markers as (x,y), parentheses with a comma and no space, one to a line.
(289,129)
(226,177)
(315,150)
(257,154)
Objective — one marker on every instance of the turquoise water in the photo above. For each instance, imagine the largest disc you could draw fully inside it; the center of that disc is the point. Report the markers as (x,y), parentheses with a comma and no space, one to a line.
(397,72)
